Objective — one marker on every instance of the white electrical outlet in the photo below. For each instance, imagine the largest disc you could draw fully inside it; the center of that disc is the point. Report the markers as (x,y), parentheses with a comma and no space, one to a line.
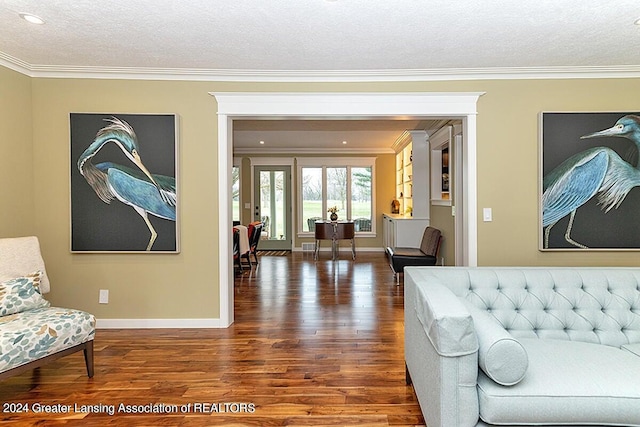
(104,296)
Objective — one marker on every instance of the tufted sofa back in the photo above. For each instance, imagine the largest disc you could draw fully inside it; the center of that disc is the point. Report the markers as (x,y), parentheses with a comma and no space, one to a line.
(596,305)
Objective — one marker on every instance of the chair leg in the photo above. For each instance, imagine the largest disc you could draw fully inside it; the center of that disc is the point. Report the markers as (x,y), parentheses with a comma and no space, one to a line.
(315,255)
(88,358)
(248,257)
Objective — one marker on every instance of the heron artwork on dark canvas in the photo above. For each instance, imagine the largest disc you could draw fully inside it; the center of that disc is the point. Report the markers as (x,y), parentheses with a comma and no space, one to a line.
(123,185)
(590,168)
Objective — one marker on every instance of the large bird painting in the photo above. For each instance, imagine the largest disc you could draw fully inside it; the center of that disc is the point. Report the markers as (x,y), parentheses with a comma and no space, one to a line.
(590,167)
(123,187)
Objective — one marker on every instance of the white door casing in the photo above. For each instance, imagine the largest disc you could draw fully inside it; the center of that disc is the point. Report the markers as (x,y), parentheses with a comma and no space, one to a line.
(305,105)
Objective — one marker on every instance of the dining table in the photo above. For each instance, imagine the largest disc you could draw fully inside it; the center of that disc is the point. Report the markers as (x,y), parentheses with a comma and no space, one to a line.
(335,231)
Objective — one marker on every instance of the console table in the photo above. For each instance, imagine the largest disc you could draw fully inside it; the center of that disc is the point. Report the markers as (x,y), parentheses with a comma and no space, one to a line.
(335,231)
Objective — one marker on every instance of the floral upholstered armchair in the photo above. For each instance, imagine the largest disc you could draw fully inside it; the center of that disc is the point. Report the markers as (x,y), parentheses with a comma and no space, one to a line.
(32,332)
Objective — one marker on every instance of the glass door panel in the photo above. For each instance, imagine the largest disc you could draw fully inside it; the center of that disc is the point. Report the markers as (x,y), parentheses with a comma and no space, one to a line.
(272,194)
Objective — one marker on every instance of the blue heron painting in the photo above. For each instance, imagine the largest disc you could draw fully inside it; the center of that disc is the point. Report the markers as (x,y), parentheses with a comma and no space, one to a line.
(597,171)
(145,192)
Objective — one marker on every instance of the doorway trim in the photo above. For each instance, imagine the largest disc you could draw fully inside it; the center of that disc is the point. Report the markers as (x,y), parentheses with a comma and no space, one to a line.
(325,105)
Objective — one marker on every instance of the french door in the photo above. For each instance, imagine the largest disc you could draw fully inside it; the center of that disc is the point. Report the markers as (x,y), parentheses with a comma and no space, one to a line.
(272,206)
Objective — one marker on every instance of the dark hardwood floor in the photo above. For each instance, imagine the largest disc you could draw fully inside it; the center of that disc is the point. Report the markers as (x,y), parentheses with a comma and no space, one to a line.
(314,343)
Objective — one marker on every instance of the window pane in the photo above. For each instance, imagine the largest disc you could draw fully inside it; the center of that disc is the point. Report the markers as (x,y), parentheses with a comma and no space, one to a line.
(361,206)
(337,190)
(279,203)
(235,193)
(311,197)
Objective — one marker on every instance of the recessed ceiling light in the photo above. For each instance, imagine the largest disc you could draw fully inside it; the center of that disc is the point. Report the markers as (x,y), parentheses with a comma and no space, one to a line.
(344,142)
(32,18)
(262,142)
(637,21)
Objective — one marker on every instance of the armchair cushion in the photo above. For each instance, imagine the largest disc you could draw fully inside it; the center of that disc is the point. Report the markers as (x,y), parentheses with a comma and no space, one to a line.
(20,256)
(21,294)
(34,334)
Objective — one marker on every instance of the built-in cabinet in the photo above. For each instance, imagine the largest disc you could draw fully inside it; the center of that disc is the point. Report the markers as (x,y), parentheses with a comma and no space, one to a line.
(398,230)
(412,192)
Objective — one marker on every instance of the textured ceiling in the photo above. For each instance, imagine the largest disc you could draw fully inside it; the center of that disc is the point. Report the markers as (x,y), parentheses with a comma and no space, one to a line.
(319,35)
(320,39)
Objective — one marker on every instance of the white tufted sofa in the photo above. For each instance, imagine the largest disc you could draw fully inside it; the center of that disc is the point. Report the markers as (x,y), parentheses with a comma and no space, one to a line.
(524,346)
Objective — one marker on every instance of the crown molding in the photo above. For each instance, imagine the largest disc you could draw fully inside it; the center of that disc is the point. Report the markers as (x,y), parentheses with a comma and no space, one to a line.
(230,75)
(15,64)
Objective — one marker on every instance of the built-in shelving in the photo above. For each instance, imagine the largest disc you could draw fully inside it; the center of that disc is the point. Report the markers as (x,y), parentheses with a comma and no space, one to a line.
(412,192)
(412,174)
(404,183)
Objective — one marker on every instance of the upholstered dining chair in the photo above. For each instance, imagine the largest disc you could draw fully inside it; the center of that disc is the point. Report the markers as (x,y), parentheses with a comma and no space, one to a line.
(254,229)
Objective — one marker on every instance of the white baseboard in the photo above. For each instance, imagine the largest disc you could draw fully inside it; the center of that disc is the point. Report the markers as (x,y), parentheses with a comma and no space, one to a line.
(157,323)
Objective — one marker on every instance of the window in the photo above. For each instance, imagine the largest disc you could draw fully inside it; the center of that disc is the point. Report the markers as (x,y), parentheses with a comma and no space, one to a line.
(312,207)
(347,184)
(361,190)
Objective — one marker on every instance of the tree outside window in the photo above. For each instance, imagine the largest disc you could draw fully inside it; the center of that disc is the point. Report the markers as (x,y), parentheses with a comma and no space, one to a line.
(349,188)
(312,207)
(235,193)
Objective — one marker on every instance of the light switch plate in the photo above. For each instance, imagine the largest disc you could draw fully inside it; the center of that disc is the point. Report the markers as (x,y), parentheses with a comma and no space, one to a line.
(104,296)
(487,215)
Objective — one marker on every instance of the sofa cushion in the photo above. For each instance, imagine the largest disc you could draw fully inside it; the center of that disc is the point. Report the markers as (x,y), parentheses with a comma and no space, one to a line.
(567,382)
(596,305)
(33,334)
(500,356)
(21,294)
(633,348)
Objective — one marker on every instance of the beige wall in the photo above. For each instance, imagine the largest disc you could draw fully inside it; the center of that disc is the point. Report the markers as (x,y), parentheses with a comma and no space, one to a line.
(16,155)
(442,219)
(154,286)
(508,164)
(185,285)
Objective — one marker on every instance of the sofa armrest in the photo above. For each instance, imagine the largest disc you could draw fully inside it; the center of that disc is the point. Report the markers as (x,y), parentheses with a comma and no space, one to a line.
(440,351)
(446,320)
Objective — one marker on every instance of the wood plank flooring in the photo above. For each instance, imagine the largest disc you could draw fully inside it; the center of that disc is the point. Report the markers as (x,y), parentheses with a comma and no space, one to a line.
(313,344)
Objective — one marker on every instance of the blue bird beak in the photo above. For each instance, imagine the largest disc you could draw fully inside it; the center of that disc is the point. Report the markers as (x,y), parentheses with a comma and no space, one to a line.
(616,130)
(138,162)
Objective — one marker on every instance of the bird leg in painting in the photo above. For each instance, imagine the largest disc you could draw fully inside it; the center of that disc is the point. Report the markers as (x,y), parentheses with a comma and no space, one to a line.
(546,235)
(144,216)
(567,234)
